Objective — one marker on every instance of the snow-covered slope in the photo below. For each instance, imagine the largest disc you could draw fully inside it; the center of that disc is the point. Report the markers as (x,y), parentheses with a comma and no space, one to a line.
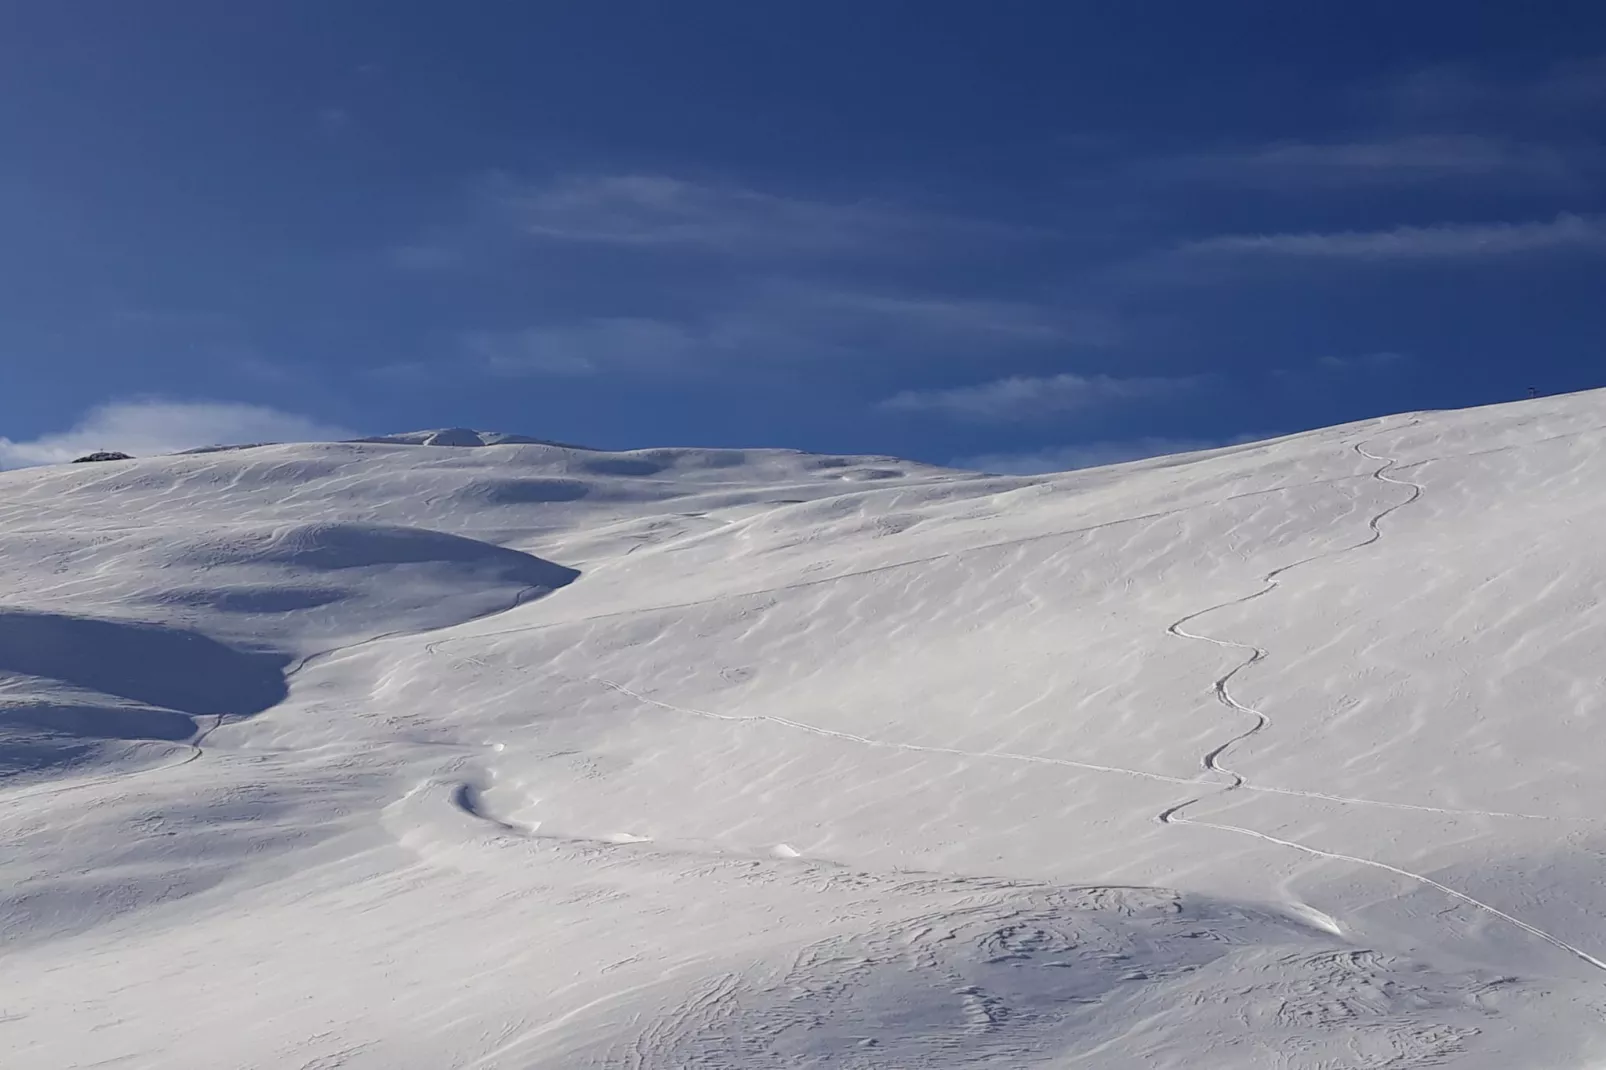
(392,755)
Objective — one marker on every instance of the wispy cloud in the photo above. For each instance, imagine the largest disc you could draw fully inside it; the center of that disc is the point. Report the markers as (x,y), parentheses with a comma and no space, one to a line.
(992,321)
(333,120)
(1093,454)
(1447,241)
(1412,159)
(754,278)
(437,252)
(1024,398)
(648,211)
(1322,372)
(1567,90)
(1378,361)
(708,230)
(785,323)
(144,427)
(587,348)
(1448,126)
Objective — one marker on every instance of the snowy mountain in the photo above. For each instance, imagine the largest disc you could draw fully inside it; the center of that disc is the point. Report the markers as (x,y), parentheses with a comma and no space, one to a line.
(399,754)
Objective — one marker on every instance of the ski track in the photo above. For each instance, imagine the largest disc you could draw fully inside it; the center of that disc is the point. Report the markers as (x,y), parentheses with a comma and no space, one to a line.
(1213,760)
(1038,759)
(706,1002)
(1174,814)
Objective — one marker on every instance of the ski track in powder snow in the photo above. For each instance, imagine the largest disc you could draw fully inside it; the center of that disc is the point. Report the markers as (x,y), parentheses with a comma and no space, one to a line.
(1174,815)
(434,647)
(478,942)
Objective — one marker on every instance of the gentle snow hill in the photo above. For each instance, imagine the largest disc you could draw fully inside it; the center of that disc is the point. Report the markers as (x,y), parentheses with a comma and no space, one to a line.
(458,749)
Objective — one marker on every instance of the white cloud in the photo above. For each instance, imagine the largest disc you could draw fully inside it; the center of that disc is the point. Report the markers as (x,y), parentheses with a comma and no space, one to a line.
(670,215)
(1320,373)
(1531,130)
(145,427)
(783,323)
(661,211)
(1007,322)
(1399,160)
(1092,454)
(333,120)
(1573,88)
(1573,83)
(1028,397)
(1441,242)
(583,349)
(436,254)
(1378,361)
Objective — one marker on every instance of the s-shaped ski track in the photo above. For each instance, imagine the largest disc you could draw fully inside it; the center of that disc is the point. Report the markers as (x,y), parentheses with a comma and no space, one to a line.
(1212,760)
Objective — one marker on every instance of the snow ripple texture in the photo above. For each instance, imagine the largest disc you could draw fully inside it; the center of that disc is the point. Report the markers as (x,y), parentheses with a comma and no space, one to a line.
(459,749)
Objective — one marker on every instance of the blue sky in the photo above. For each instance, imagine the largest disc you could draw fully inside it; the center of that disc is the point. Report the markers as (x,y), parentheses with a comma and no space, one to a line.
(1028,234)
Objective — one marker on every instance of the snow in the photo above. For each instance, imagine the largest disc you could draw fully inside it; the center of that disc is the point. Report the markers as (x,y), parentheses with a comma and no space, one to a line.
(400,754)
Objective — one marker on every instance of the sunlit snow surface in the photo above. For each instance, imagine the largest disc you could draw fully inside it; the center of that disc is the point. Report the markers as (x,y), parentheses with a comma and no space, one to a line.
(390,755)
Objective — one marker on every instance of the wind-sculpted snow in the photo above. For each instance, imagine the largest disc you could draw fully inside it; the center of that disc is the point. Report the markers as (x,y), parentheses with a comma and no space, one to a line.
(461,749)
(157,666)
(71,680)
(1026,976)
